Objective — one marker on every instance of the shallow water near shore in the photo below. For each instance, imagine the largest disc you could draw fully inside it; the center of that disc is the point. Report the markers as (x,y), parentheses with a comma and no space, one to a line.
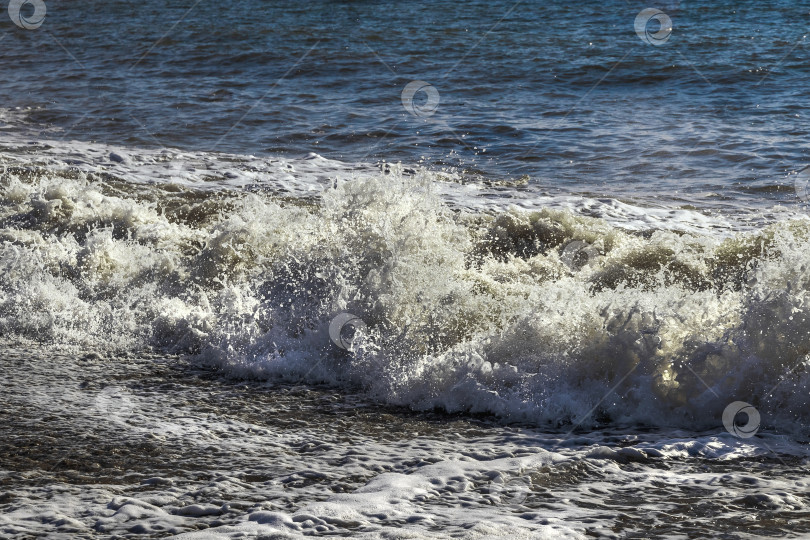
(171,366)
(102,446)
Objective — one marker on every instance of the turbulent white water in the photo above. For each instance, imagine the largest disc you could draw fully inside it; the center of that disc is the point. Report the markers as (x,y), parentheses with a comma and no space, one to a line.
(539,315)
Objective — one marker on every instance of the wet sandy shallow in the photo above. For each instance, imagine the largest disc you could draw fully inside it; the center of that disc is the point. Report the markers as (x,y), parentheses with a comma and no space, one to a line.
(151,446)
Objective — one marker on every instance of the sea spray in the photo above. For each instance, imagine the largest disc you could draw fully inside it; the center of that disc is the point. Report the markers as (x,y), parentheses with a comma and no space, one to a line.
(463,310)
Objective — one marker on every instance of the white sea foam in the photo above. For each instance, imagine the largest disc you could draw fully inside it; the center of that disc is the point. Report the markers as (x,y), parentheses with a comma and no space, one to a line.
(215,459)
(465,310)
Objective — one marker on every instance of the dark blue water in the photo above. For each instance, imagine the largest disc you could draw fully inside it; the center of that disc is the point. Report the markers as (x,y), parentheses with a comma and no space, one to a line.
(564,92)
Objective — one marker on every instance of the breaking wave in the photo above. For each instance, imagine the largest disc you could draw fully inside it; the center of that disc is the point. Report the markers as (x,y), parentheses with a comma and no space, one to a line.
(541,316)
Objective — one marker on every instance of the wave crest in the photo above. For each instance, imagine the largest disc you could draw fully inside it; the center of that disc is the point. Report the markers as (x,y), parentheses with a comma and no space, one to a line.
(465,311)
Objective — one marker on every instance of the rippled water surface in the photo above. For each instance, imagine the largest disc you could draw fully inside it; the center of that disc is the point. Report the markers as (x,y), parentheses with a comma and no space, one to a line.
(563,92)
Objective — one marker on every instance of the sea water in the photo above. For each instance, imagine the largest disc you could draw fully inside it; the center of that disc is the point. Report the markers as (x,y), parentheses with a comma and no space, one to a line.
(404,270)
